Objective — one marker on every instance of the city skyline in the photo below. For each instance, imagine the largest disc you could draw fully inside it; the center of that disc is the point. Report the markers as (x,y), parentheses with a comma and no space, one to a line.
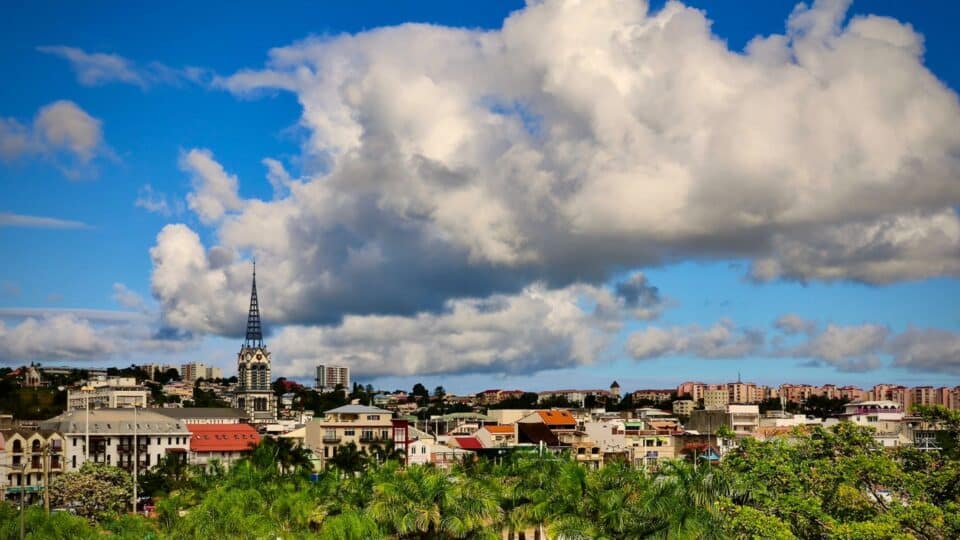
(470,203)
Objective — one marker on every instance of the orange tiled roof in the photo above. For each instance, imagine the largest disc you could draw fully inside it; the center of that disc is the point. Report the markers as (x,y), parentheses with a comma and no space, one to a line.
(222,437)
(557,418)
(500,429)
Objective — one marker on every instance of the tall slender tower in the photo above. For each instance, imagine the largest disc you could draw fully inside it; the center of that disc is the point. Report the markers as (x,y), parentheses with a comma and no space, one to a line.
(253,393)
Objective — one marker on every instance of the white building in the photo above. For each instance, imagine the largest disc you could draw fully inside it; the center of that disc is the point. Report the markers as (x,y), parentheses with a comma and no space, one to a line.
(329,377)
(104,392)
(419,447)
(111,433)
(885,416)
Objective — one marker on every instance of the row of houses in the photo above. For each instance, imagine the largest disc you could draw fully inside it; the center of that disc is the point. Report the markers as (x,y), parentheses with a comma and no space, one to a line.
(643,437)
(129,438)
(715,396)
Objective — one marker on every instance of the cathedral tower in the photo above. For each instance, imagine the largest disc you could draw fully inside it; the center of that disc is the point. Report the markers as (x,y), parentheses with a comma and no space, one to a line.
(253,393)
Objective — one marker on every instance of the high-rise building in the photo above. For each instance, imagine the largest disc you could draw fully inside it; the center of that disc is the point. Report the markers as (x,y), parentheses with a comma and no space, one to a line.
(328,377)
(193,371)
(715,399)
(254,394)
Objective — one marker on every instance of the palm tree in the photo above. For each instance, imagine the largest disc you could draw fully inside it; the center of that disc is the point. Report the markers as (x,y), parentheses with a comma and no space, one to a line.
(353,525)
(348,459)
(685,499)
(410,502)
(384,452)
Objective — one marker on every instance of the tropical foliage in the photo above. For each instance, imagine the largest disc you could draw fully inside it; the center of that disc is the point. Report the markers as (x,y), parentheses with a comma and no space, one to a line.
(95,491)
(837,483)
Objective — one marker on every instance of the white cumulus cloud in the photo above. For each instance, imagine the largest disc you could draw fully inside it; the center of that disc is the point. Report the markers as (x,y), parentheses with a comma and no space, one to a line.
(579,139)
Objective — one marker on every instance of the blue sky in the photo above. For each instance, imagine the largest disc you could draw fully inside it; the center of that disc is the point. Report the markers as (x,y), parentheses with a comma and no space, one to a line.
(103,155)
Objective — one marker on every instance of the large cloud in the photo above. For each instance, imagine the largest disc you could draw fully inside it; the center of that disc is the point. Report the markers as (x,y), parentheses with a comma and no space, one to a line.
(580,139)
(56,335)
(927,350)
(534,330)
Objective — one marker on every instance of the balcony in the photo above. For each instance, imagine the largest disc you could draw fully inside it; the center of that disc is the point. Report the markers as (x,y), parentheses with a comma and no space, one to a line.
(331,439)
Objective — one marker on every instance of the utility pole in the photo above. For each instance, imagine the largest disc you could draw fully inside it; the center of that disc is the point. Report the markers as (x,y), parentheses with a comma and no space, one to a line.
(46,477)
(136,458)
(23,506)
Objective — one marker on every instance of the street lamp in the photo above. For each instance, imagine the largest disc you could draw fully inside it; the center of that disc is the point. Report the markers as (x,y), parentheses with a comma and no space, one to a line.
(87,389)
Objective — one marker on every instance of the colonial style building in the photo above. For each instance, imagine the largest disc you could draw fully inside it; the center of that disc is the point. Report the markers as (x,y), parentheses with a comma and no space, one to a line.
(253,393)
(358,424)
(111,434)
(224,443)
(31,459)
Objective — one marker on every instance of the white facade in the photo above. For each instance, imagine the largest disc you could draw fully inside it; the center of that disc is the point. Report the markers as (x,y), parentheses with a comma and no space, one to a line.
(111,433)
(111,393)
(885,416)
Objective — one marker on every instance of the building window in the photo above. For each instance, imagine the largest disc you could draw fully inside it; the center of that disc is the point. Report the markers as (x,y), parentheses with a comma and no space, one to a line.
(373,417)
(74,464)
(348,433)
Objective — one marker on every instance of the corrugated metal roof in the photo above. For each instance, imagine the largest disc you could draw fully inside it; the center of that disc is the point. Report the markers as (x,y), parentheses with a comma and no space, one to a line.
(358,409)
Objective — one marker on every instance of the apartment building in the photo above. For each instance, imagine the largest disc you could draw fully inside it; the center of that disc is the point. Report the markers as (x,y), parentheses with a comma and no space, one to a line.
(742,419)
(197,370)
(683,407)
(715,399)
(109,393)
(798,393)
(31,458)
(924,395)
(852,393)
(741,392)
(361,425)
(695,389)
(903,396)
(329,377)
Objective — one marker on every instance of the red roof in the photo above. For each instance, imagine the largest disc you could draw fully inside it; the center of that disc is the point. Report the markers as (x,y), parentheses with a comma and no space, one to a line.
(468,443)
(222,437)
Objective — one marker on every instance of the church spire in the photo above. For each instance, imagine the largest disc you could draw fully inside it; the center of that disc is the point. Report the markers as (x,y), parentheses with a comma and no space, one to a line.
(254,332)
